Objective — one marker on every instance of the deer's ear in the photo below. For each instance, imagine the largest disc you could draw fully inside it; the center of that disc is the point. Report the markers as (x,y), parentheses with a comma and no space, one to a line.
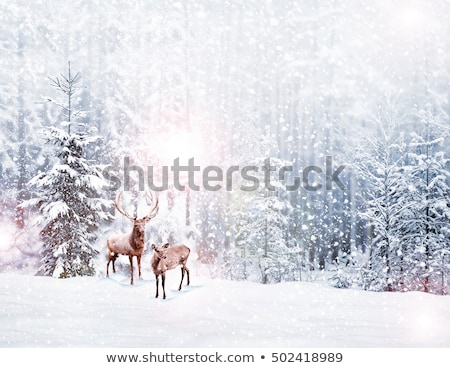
(153,246)
(166,245)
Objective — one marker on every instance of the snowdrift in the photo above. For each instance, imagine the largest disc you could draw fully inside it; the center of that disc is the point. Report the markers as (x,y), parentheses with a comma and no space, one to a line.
(100,312)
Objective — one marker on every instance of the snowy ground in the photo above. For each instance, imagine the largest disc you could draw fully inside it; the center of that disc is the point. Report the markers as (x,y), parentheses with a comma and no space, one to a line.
(99,312)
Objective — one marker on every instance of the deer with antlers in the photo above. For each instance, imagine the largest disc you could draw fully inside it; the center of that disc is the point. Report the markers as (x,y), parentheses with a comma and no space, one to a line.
(166,258)
(133,243)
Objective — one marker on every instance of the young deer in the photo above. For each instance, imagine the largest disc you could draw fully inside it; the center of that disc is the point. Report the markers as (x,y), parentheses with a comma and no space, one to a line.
(166,258)
(133,243)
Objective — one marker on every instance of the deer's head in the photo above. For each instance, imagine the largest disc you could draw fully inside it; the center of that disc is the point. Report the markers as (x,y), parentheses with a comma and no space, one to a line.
(160,252)
(138,232)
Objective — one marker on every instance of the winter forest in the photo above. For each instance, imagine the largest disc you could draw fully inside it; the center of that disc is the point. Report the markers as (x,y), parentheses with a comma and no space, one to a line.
(356,91)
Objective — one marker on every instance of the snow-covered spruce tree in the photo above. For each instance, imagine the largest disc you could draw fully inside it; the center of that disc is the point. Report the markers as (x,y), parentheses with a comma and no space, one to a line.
(67,196)
(260,227)
(427,233)
(380,167)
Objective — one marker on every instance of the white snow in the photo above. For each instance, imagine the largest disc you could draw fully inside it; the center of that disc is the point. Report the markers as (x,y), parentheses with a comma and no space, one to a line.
(99,312)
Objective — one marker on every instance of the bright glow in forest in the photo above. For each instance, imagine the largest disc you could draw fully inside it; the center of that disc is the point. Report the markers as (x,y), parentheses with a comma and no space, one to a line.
(89,85)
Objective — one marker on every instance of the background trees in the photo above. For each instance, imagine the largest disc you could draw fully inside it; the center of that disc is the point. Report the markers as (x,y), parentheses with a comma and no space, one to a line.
(307,76)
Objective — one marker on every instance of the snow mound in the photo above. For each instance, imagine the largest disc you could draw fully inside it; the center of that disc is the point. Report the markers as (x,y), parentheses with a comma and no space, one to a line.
(100,312)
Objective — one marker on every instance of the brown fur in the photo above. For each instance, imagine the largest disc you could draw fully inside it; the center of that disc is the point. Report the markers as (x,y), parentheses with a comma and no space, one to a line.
(166,258)
(131,244)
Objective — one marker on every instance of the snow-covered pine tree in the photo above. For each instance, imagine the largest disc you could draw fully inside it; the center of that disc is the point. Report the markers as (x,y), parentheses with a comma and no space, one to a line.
(260,224)
(67,195)
(429,229)
(270,215)
(380,166)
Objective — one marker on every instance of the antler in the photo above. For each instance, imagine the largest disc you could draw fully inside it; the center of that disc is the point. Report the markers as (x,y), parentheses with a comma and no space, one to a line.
(154,207)
(119,206)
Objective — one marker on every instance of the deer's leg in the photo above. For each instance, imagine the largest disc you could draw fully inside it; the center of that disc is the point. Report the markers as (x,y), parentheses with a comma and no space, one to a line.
(187,272)
(131,264)
(163,277)
(109,258)
(114,257)
(139,266)
(157,282)
(182,277)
